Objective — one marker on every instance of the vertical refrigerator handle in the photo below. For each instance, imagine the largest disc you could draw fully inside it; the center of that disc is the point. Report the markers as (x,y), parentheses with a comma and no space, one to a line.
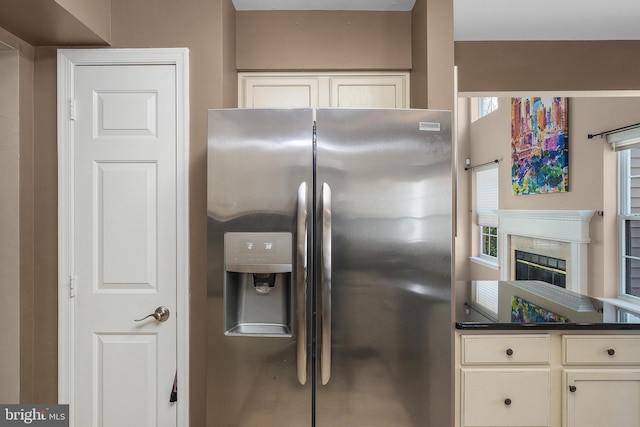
(301,284)
(325,260)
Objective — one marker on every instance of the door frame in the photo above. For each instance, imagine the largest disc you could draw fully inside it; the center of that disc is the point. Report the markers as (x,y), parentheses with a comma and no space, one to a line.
(68,59)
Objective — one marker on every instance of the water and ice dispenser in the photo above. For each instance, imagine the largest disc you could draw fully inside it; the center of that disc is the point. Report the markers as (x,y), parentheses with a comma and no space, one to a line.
(258,294)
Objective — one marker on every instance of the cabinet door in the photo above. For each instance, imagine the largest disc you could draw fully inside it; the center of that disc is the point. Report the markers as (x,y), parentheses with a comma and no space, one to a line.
(605,397)
(278,91)
(369,91)
(495,397)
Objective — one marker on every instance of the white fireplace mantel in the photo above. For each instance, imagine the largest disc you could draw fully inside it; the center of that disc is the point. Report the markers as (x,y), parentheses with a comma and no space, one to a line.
(569,226)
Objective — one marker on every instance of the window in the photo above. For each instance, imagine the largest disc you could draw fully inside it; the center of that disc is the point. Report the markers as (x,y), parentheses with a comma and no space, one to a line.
(487,105)
(629,219)
(489,241)
(626,316)
(486,206)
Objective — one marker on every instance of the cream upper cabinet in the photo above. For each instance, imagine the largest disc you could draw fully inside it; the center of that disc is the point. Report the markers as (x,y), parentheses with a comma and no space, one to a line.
(312,90)
(278,91)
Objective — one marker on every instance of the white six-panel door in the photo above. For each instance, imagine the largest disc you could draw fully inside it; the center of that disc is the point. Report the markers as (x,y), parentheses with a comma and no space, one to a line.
(126,245)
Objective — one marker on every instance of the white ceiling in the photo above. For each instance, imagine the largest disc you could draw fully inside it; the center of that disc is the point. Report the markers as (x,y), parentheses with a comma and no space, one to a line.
(379,5)
(503,19)
(546,20)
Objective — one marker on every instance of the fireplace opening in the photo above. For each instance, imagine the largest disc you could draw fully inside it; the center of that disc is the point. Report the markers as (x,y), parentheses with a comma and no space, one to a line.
(530,266)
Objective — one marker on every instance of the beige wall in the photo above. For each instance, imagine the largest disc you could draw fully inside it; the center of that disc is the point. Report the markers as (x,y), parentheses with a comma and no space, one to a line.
(432,55)
(52,22)
(419,95)
(463,268)
(17,244)
(550,65)
(95,14)
(592,176)
(27,221)
(323,40)
(440,58)
(45,181)
(229,43)
(9,227)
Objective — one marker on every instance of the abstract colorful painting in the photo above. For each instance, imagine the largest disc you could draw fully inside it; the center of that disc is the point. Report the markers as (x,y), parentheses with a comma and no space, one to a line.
(539,145)
(523,311)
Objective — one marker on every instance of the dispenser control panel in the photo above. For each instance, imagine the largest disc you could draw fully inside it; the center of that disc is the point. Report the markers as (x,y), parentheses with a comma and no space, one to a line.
(246,252)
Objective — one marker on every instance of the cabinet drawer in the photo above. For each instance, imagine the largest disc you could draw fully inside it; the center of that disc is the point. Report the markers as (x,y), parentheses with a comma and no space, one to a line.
(509,349)
(601,350)
(511,398)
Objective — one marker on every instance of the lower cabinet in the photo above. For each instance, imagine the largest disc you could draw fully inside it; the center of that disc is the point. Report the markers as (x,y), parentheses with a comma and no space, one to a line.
(552,379)
(601,380)
(505,381)
(602,397)
(495,397)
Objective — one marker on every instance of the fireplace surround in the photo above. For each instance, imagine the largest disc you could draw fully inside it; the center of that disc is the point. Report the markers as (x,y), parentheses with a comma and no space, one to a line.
(561,234)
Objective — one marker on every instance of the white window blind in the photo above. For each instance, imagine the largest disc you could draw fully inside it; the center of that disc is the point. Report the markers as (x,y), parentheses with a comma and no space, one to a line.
(485,295)
(487,196)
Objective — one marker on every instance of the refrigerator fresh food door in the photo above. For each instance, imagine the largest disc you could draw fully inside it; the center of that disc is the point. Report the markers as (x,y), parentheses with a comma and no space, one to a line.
(258,218)
(383,257)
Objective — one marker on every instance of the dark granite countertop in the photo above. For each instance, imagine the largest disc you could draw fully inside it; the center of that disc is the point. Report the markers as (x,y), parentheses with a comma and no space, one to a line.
(526,305)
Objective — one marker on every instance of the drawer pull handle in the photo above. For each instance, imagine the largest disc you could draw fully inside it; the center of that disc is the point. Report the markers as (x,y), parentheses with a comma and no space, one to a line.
(507,401)
(509,352)
(611,352)
(572,388)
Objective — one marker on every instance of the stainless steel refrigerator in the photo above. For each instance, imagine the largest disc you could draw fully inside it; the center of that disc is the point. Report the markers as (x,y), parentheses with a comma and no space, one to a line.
(329,268)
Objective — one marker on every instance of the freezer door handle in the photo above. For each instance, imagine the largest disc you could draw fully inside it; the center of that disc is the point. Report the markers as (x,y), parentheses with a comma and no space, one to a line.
(301,283)
(325,352)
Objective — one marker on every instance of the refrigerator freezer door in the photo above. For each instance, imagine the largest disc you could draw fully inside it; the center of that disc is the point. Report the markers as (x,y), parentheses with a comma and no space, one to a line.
(258,164)
(391,330)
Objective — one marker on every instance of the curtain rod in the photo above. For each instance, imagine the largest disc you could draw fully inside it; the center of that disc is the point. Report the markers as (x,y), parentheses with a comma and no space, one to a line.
(607,132)
(480,165)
